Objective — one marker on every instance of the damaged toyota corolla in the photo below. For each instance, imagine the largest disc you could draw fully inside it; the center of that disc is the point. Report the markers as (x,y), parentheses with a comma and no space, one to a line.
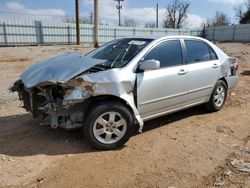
(126,82)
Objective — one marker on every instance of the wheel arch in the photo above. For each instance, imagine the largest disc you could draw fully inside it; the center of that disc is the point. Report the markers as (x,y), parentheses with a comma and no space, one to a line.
(101,98)
(224,80)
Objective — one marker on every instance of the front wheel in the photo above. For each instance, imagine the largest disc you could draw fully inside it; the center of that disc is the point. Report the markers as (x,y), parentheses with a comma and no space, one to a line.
(218,97)
(108,125)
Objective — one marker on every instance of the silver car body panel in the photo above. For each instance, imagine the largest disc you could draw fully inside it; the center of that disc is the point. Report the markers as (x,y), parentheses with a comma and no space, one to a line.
(61,69)
(154,93)
(196,87)
(114,82)
(159,92)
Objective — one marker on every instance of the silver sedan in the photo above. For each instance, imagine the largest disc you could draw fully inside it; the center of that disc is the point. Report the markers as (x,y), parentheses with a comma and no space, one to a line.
(126,82)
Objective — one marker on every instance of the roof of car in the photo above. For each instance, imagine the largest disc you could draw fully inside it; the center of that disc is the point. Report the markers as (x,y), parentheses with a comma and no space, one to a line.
(155,37)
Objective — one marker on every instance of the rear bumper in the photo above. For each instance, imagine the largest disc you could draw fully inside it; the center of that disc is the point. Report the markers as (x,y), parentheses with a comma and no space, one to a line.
(232,81)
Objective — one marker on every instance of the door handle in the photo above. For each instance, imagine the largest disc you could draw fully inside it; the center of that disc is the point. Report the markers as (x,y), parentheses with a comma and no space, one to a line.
(182,72)
(215,66)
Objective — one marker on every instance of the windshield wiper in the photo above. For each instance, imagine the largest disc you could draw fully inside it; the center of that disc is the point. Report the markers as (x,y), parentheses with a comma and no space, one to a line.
(124,55)
(126,51)
(114,47)
(111,65)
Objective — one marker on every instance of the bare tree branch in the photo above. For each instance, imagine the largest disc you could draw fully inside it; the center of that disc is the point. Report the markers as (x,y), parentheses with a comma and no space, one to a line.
(239,12)
(150,25)
(130,22)
(243,14)
(219,19)
(176,13)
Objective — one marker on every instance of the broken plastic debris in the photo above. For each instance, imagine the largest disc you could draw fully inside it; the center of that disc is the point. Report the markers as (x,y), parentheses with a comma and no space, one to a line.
(227,173)
(219,181)
(77,93)
(240,165)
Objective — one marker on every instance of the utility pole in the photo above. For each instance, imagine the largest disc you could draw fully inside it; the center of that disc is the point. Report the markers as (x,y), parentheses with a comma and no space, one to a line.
(77,23)
(91,18)
(96,23)
(157,15)
(119,7)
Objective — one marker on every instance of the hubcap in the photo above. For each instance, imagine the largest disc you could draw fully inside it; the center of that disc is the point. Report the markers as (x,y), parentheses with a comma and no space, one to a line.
(109,128)
(219,96)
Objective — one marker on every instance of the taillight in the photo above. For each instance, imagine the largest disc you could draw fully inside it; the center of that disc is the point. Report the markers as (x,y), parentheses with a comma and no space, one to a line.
(234,67)
(237,66)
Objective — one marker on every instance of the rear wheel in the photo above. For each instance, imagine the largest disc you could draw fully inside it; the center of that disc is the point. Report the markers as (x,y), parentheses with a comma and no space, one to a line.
(108,125)
(218,97)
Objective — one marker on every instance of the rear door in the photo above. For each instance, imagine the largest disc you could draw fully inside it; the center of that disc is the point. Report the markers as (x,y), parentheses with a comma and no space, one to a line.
(203,67)
(159,91)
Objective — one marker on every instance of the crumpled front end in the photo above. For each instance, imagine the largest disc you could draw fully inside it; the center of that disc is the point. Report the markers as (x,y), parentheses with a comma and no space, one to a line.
(64,102)
(46,103)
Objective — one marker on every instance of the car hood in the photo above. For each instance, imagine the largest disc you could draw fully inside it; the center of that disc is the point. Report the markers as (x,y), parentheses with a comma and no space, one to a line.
(61,69)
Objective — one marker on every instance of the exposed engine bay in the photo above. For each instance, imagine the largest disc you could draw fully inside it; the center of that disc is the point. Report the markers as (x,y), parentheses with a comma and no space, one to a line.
(47,104)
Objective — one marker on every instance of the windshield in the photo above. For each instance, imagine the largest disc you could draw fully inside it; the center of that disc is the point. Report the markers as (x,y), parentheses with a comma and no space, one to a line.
(119,52)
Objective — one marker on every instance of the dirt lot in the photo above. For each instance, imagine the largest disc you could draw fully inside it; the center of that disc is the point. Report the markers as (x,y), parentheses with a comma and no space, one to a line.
(192,148)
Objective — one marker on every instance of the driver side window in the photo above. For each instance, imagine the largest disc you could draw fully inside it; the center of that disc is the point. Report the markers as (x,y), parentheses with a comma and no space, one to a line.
(169,53)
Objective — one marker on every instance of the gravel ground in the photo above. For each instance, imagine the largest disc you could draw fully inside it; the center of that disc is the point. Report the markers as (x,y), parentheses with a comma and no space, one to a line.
(191,148)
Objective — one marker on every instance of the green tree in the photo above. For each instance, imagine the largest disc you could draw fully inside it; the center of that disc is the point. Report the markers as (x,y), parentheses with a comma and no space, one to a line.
(242,12)
(246,17)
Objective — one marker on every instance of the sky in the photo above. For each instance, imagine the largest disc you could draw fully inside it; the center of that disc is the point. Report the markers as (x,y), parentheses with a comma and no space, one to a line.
(142,11)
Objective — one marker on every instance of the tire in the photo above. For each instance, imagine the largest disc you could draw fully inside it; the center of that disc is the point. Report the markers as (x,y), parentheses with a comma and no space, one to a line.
(108,125)
(218,97)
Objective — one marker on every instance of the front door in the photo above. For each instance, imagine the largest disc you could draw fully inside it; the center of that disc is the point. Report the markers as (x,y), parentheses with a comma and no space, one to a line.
(162,90)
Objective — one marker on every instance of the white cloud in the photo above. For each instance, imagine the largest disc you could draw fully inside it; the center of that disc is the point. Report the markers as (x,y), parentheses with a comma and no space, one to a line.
(15,6)
(15,10)
(109,14)
(194,21)
(230,2)
(143,14)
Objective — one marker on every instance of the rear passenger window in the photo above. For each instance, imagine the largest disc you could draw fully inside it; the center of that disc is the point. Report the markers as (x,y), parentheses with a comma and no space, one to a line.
(213,56)
(169,53)
(197,51)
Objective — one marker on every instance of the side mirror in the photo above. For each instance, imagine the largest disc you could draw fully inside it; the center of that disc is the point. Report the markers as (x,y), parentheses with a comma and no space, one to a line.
(149,65)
